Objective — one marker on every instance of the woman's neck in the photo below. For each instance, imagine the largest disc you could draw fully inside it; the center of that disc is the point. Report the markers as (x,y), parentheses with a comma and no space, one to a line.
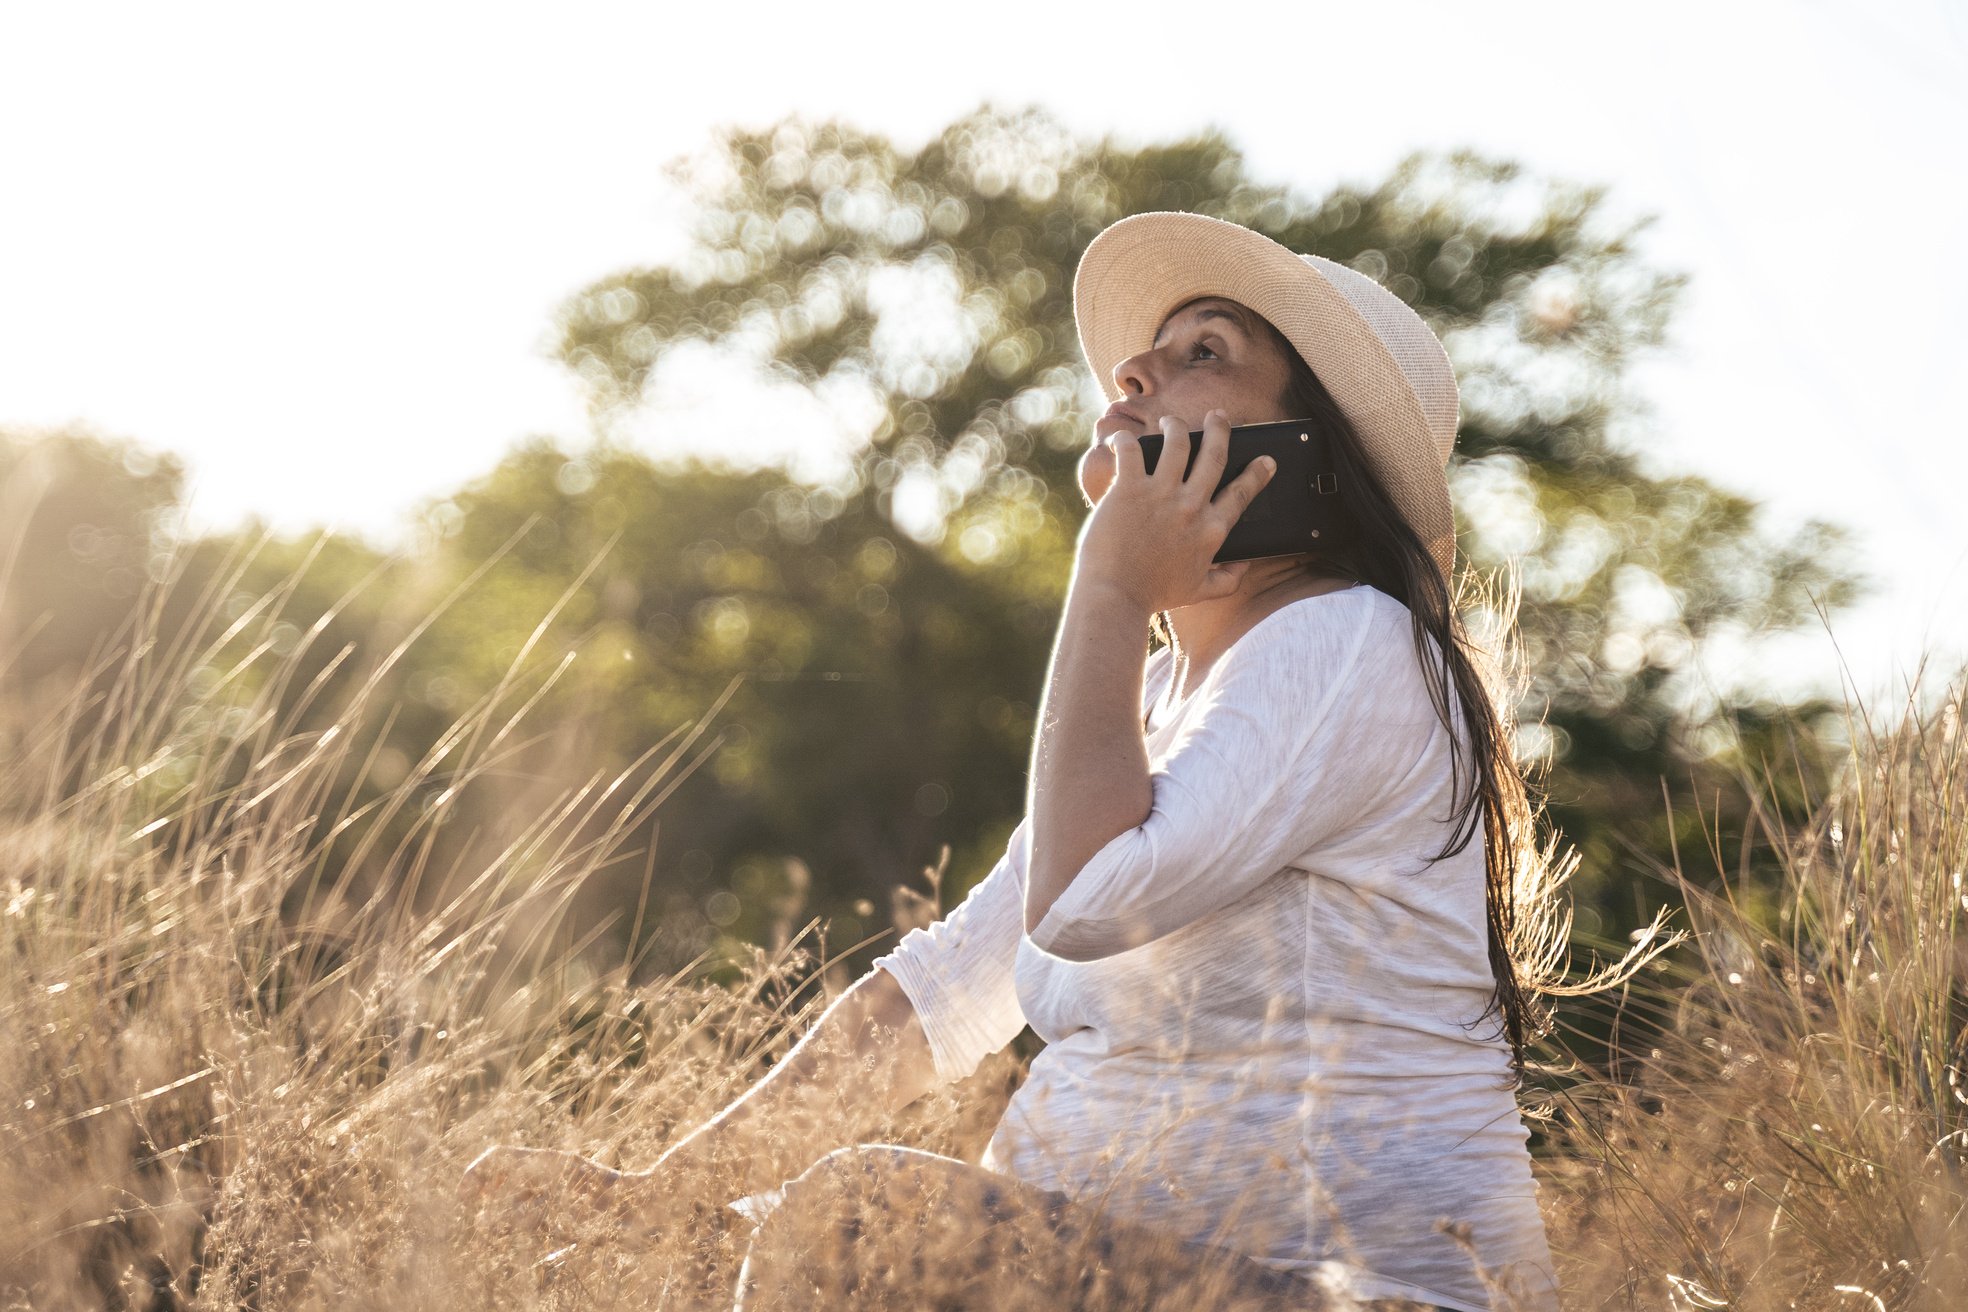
(1201,632)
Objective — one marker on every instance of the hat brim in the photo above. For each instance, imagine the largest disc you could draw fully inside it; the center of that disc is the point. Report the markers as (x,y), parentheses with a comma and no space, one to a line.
(1140,268)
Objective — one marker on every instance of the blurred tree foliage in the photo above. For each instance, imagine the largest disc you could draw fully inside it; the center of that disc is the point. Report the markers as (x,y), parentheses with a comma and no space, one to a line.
(82,520)
(873,647)
(939,284)
(807,641)
(883,693)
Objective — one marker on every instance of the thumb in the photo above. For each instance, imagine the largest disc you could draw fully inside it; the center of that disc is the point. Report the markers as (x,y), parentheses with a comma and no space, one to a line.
(1222,580)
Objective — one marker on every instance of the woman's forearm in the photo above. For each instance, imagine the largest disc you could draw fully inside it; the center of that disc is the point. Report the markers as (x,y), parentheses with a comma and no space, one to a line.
(1089,761)
(865,1057)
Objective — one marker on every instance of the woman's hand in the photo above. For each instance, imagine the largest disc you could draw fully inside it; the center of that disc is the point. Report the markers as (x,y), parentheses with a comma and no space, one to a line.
(527,1187)
(1153,535)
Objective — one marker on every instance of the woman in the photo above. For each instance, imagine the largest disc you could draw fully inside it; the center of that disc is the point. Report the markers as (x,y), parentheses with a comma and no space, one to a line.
(1267,903)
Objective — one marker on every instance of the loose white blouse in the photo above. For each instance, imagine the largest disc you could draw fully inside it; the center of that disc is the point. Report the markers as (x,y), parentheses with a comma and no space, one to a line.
(1260,1005)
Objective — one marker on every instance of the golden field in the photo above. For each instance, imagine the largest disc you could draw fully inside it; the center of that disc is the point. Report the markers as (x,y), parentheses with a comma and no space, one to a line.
(235,1077)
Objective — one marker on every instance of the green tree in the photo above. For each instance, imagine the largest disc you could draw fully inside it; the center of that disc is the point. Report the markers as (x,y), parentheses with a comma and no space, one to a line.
(871,650)
(841,702)
(938,285)
(822,703)
(872,701)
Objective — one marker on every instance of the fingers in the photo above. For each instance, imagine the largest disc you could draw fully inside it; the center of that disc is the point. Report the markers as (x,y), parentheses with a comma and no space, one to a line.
(1222,580)
(1237,495)
(539,1190)
(1175,452)
(1130,466)
(483,1175)
(514,1173)
(1211,457)
(1215,453)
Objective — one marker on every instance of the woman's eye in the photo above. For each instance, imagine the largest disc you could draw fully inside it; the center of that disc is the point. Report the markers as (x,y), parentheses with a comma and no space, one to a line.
(1202,349)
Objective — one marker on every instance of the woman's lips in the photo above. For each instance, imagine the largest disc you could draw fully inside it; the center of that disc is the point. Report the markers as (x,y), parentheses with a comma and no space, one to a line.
(1117,420)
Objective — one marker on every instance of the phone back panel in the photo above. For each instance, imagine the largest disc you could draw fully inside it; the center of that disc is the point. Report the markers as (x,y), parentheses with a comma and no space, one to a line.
(1302,508)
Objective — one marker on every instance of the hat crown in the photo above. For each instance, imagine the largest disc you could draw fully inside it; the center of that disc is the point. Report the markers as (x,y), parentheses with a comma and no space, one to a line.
(1417,352)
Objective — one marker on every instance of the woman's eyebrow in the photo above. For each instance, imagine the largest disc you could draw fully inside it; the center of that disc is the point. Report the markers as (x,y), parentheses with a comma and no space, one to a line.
(1202,315)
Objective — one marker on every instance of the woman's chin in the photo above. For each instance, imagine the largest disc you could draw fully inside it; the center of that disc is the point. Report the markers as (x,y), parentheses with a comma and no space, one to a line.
(1096,473)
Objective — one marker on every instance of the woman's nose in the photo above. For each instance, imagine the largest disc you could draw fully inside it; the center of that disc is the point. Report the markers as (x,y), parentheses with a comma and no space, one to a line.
(1133,376)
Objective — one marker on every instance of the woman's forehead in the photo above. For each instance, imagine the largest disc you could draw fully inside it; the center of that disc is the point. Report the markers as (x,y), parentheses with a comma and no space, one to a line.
(1204,308)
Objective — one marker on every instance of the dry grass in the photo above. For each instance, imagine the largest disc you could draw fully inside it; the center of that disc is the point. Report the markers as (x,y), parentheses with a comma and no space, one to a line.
(233,1078)
(1796,1136)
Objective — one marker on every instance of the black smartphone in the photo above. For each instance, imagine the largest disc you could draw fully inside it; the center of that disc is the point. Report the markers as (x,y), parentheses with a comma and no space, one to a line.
(1302,508)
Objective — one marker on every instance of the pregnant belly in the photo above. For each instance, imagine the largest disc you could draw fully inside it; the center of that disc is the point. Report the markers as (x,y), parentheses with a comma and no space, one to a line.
(1188,1152)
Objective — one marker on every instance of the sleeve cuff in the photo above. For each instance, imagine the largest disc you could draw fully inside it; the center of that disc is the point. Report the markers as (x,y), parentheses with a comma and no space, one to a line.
(955,1044)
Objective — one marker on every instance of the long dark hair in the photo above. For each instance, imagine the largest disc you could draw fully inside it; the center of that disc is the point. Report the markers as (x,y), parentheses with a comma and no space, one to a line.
(1489,786)
(1527,930)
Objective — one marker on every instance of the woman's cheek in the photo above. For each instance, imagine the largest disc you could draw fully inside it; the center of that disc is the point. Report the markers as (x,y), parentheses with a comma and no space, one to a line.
(1096,472)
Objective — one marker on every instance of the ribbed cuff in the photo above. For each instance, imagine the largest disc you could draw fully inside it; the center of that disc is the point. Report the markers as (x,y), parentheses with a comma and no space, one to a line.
(954,1042)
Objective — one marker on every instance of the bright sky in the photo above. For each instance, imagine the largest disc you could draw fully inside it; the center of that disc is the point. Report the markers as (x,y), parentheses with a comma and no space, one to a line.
(315,251)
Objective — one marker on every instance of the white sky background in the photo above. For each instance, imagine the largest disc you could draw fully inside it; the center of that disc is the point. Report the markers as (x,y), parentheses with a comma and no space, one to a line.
(317,254)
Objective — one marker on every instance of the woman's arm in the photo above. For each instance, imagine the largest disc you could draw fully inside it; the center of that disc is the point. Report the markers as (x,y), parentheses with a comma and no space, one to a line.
(1300,736)
(866,1057)
(1148,546)
(1089,759)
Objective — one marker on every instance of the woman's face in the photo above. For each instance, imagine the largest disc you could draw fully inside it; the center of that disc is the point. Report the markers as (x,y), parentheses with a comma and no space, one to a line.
(1204,358)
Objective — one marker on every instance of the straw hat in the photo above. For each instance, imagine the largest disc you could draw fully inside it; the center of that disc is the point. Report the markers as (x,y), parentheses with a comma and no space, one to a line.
(1381,363)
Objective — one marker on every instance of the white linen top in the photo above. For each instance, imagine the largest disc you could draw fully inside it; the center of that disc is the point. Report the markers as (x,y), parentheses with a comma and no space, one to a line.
(1258,1002)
